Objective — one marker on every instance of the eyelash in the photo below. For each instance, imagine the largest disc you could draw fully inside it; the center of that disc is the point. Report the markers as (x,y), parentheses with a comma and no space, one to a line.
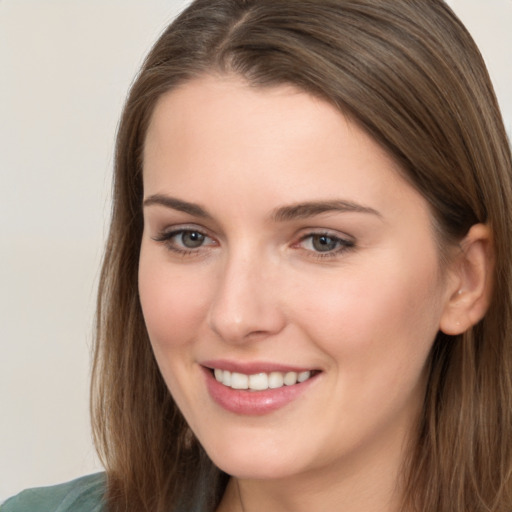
(166,238)
(342,244)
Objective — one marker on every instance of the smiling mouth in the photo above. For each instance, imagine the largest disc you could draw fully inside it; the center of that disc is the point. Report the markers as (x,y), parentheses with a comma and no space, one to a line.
(261,381)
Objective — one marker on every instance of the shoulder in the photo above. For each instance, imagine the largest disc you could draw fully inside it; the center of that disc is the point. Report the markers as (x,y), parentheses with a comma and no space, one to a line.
(82,495)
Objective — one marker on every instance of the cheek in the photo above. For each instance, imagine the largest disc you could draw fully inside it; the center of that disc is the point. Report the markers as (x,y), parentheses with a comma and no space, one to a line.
(173,302)
(377,329)
(381,320)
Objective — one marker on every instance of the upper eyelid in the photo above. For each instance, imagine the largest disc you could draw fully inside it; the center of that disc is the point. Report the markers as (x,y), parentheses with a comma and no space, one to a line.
(326,232)
(164,235)
(342,239)
(178,228)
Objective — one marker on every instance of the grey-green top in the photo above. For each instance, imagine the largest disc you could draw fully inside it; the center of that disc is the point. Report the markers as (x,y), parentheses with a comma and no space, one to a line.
(82,495)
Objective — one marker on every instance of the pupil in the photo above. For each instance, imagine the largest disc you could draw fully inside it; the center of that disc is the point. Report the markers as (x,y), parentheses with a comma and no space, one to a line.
(192,239)
(324,243)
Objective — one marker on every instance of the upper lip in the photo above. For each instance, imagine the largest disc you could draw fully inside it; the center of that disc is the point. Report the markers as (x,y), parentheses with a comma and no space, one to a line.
(253,367)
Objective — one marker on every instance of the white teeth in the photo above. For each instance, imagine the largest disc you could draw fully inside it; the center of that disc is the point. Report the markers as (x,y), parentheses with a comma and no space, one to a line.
(303,376)
(290,378)
(275,380)
(239,381)
(259,381)
(226,378)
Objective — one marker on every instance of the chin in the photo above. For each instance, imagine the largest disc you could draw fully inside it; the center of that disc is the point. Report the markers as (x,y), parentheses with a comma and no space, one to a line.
(255,470)
(255,462)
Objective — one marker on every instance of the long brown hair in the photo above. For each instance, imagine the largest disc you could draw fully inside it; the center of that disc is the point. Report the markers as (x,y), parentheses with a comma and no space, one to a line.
(410,74)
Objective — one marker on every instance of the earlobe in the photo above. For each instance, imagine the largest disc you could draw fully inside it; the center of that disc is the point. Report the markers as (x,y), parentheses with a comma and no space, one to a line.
(473,267)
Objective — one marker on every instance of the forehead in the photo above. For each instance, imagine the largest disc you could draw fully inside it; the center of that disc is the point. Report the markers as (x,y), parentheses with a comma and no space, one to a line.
(257,113)
(218,134)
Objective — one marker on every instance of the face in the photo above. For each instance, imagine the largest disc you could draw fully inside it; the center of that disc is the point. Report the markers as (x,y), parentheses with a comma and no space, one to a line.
(283,253)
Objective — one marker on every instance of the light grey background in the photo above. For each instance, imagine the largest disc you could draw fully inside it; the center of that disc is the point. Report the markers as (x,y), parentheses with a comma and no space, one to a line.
(65,67)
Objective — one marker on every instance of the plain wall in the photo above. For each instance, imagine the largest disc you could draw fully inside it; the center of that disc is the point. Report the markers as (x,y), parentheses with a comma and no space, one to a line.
(65,68)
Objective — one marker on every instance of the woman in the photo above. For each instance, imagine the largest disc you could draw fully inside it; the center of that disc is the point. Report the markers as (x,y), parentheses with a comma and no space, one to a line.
(305,299)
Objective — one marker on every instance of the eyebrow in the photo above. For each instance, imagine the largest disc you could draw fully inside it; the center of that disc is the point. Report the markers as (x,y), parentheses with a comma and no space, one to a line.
(310,209)
(177,204)
(282,214)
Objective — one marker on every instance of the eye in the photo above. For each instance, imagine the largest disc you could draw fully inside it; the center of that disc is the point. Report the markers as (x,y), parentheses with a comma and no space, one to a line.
(184,241)
(325,244)
(190,239)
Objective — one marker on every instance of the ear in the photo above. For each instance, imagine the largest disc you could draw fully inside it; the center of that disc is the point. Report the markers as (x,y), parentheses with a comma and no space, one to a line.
(470,292)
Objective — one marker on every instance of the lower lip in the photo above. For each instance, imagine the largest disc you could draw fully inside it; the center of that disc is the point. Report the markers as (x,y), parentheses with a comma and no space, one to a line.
(254,403)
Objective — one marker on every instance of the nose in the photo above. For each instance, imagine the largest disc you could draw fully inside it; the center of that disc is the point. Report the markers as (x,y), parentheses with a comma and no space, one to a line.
(245,306)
